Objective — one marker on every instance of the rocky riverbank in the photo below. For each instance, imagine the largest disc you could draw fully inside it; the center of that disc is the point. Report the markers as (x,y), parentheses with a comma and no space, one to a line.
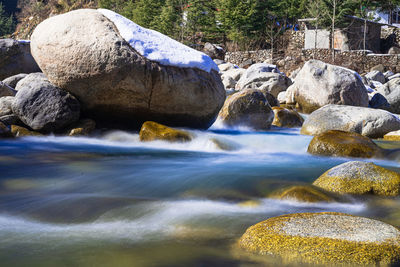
(100,71)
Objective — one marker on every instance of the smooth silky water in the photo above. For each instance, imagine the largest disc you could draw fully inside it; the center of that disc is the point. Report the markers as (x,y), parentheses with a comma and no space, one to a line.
(114,201)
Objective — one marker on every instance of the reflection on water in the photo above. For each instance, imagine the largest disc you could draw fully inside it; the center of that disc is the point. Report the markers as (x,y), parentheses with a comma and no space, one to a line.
(113,201)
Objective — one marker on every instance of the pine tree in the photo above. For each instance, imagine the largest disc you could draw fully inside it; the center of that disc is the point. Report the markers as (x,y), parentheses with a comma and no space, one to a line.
(7,23)
(169,19)
(144,12)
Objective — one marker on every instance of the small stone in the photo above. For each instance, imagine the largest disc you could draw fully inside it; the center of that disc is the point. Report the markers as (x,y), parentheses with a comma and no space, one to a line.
(13,80)
(151,131)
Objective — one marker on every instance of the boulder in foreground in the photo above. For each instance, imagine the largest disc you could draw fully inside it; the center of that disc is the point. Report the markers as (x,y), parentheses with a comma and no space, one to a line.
(344,144)
(358,177)
(123,74)
(374,123)
(324,238)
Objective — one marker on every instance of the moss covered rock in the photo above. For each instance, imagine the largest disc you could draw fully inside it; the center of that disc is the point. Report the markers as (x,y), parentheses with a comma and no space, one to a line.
(247,108)
(151,131)
(286,118)
(344,144)
(303,193)
(392,136)
(357,177)
(19,131)
(324,238)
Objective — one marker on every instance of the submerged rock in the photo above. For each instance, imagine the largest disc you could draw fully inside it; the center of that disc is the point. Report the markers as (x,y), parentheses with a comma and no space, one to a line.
(83,52)
(344,144)
(358,177)
(247,108)
(42,106)
(324,238)
(151,131)
(319,84)
(374,123)
(303,193)
(286,118)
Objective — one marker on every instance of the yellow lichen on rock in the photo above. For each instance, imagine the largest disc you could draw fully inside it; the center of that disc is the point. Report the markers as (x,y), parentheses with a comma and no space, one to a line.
(392,136)
(357,177)
(303,193)
(19,131)
(82,127)
(151,131)
(344,144)
(324,238)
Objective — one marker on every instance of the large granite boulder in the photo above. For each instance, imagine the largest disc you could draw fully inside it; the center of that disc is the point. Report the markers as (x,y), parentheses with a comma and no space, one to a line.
(324,238)
(287,118)
(374,123)
(391,91)
(123,74)
(264,77)
(319,84)
(42,106)
(15,58)
(247,108)
(359,178)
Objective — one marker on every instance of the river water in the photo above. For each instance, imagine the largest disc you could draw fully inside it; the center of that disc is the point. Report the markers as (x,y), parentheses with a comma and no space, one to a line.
(111,200)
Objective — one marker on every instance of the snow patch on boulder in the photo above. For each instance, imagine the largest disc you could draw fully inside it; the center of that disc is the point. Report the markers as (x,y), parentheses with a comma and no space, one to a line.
(158,47)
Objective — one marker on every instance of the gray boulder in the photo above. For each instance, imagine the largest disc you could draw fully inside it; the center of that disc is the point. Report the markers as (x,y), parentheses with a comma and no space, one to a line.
(6,105)
(319,84)
(264,77)
(376,100)
(83,52)
(376,76)
(13,80)
(43,106)
(388,74)
(374,123)
(391,91)
(214,51)
(15,58)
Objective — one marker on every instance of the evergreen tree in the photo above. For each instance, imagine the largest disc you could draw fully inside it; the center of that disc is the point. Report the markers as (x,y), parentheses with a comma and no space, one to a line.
(200,17)
(144,12)
(7,23)
(169,19)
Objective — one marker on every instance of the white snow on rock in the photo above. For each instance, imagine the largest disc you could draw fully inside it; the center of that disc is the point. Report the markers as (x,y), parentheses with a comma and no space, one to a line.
(158,47)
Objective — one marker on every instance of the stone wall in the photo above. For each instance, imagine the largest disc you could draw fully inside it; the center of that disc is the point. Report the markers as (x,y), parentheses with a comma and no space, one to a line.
(390,37)
(355,60)
(240,57)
